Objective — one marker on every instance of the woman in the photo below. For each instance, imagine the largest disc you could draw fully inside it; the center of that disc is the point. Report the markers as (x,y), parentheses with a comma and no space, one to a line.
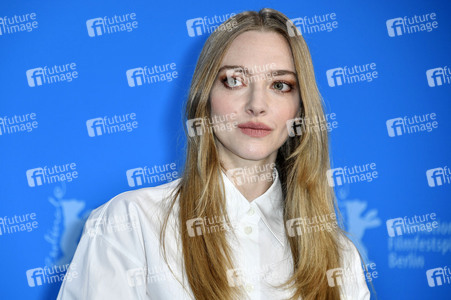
(252,216)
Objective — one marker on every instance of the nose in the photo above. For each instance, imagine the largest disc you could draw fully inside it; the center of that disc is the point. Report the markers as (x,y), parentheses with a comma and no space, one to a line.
(257,102)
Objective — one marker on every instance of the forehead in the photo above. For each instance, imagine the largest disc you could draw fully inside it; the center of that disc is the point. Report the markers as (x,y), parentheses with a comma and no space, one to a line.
(259,48)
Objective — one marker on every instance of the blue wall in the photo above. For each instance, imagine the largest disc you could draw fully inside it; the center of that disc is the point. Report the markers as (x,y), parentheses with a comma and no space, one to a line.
(51,125)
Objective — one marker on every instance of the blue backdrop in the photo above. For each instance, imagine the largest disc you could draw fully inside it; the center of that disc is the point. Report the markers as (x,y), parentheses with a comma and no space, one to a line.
(92,93)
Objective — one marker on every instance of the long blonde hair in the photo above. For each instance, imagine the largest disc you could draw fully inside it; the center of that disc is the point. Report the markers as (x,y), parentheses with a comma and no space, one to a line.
(302,164)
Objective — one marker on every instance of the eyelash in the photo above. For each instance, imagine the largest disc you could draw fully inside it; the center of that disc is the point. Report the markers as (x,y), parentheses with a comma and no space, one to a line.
(290,85)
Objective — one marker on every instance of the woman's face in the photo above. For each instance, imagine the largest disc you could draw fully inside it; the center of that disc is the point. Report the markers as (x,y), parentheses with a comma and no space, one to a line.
(256,88)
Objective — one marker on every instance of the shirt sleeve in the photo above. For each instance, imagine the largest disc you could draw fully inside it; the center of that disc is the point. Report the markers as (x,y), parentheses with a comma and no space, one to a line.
(104,267)
(354,284)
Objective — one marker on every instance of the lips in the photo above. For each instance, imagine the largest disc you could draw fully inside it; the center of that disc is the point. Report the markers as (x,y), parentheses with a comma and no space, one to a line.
(254,129)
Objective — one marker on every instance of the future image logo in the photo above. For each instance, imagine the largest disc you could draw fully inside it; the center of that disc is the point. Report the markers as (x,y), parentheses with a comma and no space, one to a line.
(438,176)
(117,223)
(411,225)
(438,276)
(135,77)
(338,276)
(18,23)
(113,124)
(351,75)
(207,225)
(109,25)
(53,274)
(199,126)
(357,173)
(260,273)
(347,276)
(293,27)
(438,76)
(136,277)
(235,277)
(312,24)
(35,77)
(150,175)
(18,223)
(305,225)
(249,175)
(408,25)
(409,125)
(49,175)
(149,75)
(195,127)
(51,75)
(206,25)
(18,123)
(298,126)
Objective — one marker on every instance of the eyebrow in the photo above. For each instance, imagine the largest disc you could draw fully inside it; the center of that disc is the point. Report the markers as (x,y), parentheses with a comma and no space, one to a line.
(274,72)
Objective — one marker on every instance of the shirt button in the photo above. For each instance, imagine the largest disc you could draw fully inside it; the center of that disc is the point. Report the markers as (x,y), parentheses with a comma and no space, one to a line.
(248,229)
(251,211)
(249,288)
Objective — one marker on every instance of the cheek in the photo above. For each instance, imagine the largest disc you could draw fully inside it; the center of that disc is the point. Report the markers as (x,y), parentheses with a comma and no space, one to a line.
(295,105)
(221,104)
(287,112)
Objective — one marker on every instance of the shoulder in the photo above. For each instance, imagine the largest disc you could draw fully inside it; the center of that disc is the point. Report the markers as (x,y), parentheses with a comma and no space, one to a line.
(130,209)
(140,199)
(353,280)
(348,250)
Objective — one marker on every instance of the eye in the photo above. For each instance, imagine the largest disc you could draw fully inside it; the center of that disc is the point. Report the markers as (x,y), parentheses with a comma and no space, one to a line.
(283,87)
(232,82)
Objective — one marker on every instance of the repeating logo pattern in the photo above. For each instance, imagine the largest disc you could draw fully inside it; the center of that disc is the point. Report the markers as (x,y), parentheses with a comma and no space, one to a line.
(18,23)
(354,174)
(206,25)
(110,25)
(312,24)
(351,75)
(52,75)
(410,25)
(65,112)
(49,175)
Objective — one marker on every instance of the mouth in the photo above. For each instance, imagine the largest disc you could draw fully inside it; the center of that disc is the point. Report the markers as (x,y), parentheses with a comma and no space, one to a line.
(255,129)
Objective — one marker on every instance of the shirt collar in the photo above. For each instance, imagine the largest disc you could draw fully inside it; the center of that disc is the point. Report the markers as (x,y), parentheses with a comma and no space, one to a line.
(269,206)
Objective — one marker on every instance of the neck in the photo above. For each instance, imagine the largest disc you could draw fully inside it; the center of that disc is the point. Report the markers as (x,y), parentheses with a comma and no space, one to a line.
(251,178)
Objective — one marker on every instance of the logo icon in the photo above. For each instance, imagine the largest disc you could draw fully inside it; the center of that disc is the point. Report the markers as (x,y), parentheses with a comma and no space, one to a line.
(435,177)
(35,77)
(95,27)
(335,177)
(35,277)
(195,127)
(395,127)
(236,175)
(235,277)
(335,277)
(136,277)
(35,177)
(395,27)
(435,277)
(195,226)
(135,77)
(395,227)
(293,26)
(95,127)
(195,27)
(135,177)
(435,77)
(335,77)
(295,126)
(294,227)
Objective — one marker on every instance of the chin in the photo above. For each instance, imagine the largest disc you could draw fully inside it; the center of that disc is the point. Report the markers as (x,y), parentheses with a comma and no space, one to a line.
(254,154)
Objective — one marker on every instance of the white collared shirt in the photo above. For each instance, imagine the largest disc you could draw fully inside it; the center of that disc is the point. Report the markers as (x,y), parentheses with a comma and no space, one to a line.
(118,256)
